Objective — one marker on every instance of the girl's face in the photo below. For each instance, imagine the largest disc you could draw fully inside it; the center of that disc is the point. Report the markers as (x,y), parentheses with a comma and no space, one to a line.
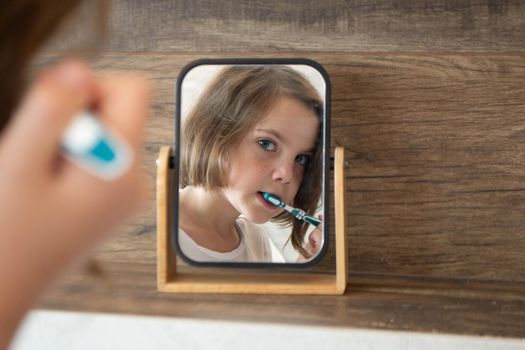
(271,158)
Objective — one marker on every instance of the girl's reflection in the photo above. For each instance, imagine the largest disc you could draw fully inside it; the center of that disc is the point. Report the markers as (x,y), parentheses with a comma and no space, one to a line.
(255,129)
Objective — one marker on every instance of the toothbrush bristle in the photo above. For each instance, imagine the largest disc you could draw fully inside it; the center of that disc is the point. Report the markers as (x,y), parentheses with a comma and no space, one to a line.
(271,198)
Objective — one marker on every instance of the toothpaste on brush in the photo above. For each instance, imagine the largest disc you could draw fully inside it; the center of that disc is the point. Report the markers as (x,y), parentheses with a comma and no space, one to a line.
(88,144)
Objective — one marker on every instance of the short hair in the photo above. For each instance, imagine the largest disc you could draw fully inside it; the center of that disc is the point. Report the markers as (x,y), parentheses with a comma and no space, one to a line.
(233,103)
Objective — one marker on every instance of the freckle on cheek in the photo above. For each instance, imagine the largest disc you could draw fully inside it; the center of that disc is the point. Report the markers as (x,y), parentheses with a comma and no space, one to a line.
(261,166)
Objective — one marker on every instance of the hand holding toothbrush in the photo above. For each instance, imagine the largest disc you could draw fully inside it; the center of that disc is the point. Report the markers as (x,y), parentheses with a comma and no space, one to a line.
(52,211)
(315,242)
(315,239)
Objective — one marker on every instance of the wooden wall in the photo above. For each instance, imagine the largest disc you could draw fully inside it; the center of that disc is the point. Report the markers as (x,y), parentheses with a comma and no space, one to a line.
(428,101)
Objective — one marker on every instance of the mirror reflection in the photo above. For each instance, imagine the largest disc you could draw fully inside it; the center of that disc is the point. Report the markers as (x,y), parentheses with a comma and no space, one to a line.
(251,163)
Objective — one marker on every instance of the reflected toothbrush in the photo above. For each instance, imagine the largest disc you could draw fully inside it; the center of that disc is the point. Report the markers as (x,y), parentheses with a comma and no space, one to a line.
(298,213)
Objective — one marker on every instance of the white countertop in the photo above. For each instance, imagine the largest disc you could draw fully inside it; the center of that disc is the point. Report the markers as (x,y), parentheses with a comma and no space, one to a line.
(73,330)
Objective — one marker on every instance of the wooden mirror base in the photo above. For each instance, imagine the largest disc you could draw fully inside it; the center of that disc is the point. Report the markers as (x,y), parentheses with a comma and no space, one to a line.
(171,281)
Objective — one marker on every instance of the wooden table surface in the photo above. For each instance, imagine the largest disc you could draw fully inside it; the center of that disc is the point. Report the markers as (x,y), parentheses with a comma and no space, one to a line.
(428,101)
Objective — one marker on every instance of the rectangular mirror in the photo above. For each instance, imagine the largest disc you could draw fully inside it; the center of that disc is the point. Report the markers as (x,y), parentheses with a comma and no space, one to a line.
(251,162)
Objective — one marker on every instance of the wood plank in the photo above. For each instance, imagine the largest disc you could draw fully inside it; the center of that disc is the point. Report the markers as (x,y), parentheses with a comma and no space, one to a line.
(390,304)
(310,25)
(434,190)
(435,185)
(436,182)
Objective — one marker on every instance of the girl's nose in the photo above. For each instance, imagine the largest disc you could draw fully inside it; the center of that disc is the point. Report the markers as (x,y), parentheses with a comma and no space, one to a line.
(284,171)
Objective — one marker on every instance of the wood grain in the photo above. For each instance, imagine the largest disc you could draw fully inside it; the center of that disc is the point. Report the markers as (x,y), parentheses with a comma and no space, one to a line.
(434,191)
(341,234)
(310,25)
(380,303)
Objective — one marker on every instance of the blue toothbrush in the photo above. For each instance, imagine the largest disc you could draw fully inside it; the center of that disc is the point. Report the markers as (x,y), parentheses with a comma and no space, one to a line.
(89,144)
(298,213)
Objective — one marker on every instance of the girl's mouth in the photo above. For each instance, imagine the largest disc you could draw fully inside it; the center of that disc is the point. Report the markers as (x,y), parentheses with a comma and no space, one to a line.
(264,202)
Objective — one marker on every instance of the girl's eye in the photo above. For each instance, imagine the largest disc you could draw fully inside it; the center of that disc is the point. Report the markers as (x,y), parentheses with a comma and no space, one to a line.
(267,145)
(302,159)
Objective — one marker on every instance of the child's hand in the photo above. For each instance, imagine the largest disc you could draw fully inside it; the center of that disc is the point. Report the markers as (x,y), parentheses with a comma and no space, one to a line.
(51,211)
(315,241)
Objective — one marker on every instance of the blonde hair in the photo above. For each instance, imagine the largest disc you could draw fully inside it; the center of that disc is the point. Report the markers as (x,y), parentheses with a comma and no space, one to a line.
(233,103)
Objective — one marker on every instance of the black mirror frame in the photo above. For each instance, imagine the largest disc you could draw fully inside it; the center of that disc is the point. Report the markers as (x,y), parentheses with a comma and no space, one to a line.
(174,164)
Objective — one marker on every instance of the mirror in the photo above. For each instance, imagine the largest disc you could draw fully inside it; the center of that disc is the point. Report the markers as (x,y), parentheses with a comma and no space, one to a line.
(251,162)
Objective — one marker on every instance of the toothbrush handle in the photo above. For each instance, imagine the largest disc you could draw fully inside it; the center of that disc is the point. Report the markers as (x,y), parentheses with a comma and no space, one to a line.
(301,215)
(311,220)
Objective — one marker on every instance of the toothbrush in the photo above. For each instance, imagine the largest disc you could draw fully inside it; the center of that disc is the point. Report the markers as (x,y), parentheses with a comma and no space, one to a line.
(87,143)
(298,213)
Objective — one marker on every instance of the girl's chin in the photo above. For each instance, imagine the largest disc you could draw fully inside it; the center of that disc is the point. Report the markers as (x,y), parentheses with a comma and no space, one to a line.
(258,219)
(261,219)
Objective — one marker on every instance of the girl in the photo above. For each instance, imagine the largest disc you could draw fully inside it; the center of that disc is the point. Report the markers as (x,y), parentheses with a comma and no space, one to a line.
(51,212)
(255,129)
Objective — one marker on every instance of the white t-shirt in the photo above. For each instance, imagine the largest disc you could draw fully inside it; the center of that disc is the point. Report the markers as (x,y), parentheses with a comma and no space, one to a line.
(255,246)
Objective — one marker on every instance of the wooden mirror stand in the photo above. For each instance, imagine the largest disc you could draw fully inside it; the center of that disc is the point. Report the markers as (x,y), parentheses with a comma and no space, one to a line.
(171,281)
